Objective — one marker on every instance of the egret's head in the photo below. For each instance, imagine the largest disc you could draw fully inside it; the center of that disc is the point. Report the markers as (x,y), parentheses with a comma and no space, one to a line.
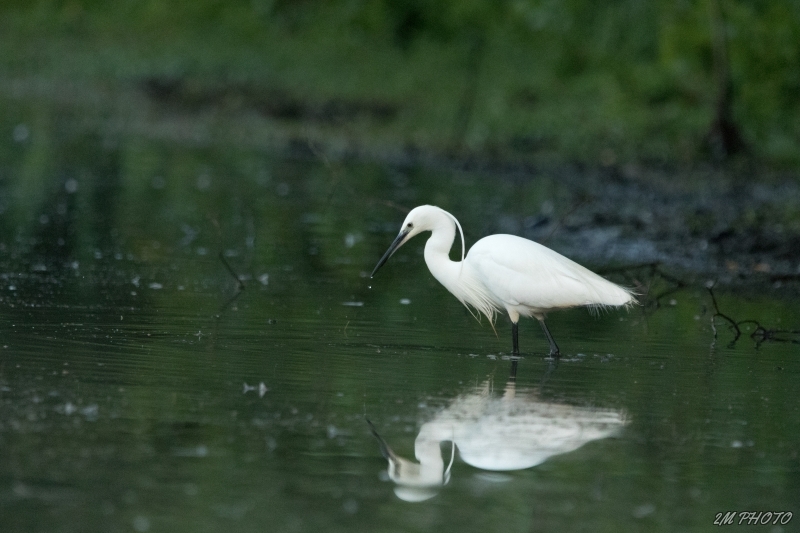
(416,482)
(422,218)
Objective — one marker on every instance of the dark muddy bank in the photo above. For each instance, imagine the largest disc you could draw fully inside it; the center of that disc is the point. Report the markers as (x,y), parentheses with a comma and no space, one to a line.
(709,225)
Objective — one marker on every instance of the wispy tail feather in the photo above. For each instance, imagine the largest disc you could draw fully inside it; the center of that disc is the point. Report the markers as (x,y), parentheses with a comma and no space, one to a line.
(618,297)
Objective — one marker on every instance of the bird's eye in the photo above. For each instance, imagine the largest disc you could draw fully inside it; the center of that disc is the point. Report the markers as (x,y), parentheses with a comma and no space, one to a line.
(409,225)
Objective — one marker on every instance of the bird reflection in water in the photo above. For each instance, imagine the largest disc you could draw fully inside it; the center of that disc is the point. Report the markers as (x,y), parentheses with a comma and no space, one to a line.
(513,431)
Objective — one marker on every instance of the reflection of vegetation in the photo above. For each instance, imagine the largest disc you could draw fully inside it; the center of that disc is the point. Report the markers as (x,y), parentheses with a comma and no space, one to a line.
(607,82)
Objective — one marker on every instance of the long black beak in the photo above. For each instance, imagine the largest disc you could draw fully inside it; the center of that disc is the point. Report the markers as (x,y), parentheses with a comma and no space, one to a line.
(386,451)
(398,242)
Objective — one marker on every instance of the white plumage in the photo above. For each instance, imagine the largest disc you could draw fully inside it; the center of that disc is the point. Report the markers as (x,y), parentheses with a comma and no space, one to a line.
(505,272)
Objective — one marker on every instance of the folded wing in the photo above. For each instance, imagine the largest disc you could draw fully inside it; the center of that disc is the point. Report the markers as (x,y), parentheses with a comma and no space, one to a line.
(520,272)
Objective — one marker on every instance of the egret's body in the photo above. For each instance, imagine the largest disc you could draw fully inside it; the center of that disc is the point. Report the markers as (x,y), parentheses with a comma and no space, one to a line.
(505,272)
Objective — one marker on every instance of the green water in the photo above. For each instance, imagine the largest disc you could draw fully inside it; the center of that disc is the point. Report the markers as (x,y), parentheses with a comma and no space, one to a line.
(142,390)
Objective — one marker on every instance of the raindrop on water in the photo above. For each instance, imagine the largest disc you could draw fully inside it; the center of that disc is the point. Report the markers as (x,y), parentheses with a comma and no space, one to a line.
(644,510)
(21,133)
(350,506)
(203,181)
(141,523)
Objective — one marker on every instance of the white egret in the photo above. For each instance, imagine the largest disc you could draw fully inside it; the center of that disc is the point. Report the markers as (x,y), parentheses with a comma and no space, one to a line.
(505,272)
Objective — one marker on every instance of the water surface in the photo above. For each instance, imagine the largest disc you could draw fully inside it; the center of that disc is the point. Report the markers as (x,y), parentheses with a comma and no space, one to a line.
(141,388)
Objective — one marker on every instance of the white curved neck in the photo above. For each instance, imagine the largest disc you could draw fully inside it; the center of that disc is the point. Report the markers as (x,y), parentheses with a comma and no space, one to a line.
(429,455)
(437,253)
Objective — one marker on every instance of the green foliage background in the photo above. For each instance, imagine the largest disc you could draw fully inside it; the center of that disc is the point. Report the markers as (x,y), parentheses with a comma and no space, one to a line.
(574,80)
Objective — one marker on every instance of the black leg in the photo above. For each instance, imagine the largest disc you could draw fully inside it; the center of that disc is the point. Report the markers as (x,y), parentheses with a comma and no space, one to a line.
(553,346)
(515,338)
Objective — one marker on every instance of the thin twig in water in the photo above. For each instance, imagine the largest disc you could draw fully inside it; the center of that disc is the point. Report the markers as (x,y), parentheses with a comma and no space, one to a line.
(239,282)
(717,313)
(760,333)
(229,302)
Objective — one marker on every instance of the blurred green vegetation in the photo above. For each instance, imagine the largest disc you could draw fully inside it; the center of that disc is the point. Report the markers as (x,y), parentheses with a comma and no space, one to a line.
(600,83)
